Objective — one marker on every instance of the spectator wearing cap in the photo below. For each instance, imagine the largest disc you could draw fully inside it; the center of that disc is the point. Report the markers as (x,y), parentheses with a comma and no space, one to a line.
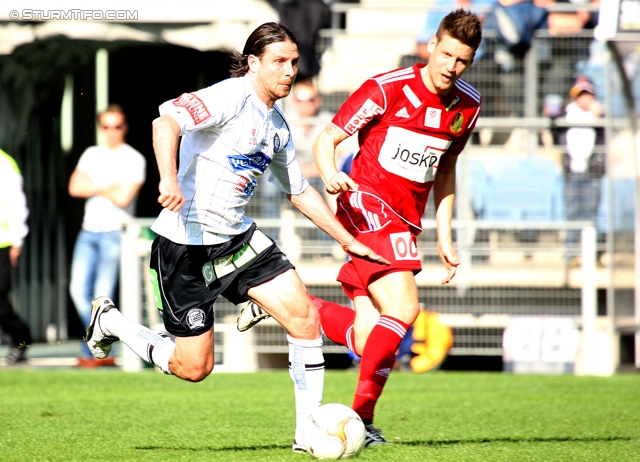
(584,160)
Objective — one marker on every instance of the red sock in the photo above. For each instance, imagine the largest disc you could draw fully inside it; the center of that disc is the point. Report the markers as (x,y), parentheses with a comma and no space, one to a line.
(337,321)
(378,358)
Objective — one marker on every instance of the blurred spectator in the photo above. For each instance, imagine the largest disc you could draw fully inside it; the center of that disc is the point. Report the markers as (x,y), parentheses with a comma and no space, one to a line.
(307,103)
(305,18)
(560,58)
(584,162)
(570,22)
(13,230)
(109,177)
(306,123)
(514,23)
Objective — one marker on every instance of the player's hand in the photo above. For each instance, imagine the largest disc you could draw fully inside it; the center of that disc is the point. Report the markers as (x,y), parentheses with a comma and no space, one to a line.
(14,255)
(449,259)
(339,183)
(359,250)
(170,195)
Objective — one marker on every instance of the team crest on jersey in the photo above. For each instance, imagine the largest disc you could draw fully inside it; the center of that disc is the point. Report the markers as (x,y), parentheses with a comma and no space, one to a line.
(257,162)
(456,125)
(253,141)
(432,117)
(246,185)
(276,143)
(195,318)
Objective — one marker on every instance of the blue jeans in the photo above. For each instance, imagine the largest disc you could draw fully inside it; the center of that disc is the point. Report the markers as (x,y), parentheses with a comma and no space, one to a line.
(94,272)
(582,197)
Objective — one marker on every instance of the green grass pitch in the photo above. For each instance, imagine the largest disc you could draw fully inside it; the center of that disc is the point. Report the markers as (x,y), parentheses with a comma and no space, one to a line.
(108,415)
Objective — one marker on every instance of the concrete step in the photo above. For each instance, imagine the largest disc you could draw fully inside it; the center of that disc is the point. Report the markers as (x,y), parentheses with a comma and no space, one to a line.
(383,21)
(353,50)
(336,78)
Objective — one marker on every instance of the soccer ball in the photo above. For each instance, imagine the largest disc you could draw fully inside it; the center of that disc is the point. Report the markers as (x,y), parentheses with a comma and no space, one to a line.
(333,431)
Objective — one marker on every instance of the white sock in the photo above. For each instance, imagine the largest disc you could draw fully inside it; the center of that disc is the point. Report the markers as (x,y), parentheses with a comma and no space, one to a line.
(153,347)
(306,368)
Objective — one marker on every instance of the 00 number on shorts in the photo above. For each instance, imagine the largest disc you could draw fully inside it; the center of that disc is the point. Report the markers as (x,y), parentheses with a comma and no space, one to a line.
(404,246)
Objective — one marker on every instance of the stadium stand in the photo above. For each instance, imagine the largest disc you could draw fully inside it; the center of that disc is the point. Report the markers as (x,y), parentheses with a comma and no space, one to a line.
(527,188)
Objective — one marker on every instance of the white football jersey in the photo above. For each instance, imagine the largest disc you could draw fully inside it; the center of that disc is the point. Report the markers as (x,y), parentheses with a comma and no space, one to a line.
(229,138)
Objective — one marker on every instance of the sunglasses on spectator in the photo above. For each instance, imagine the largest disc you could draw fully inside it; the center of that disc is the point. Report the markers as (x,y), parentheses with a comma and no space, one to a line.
(111,127)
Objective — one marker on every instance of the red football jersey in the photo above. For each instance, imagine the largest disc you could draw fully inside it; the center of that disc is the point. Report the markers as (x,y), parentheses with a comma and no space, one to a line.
(404,130)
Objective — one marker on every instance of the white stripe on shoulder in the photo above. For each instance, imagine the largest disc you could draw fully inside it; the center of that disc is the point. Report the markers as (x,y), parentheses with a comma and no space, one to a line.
(475,116)
(402,74)
(468,89)
(465,84)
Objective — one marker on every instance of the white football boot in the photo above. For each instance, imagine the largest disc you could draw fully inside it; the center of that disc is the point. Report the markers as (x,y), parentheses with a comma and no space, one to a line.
(251,315)
(97,340)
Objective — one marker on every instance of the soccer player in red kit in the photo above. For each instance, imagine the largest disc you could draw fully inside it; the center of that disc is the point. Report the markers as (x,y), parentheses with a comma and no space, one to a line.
(412,123)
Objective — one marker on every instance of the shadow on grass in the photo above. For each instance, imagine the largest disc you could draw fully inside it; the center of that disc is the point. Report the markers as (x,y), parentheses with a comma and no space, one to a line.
(552,439)
(261,447)
(432,443)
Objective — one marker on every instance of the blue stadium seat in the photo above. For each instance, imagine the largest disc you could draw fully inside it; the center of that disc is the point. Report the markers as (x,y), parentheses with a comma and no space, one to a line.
(477,185)
(527,188)
(623,205)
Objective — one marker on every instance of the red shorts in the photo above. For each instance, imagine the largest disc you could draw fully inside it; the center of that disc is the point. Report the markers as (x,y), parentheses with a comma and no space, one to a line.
(376,225)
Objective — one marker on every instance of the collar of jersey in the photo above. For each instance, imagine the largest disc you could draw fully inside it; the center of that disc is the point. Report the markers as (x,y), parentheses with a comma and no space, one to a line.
(254,97)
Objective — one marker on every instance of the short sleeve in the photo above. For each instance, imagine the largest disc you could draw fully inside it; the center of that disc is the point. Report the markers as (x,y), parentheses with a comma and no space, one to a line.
(204,108)
(364,104)
(85,162)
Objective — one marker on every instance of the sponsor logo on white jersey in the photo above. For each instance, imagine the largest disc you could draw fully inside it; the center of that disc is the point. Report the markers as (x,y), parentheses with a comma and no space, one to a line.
(403,113)
(384,372)
(364,114)
(412,155)
(194,105)
(256,162)
(432,117)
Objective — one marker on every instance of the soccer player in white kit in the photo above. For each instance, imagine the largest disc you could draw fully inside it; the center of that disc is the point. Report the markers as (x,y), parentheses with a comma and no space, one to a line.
(205,246)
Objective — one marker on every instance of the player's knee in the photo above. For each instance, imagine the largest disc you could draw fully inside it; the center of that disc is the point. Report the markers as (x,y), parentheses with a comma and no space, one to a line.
(197,374)
(412,314)
(359,345)
(192,371)
(407,314)
(308,326)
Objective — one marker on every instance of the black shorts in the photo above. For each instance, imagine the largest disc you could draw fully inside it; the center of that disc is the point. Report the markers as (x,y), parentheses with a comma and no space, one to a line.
(188,279)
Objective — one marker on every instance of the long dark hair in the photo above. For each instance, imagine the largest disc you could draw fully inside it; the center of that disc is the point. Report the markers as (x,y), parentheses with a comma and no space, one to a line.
(264,35)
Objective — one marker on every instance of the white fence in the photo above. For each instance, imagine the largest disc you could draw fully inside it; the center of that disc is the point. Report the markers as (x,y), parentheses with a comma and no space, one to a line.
(494,273)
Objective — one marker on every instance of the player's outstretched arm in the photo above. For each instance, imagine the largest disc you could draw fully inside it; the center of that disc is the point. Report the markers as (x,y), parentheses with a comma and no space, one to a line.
(444,188)
(166,133)
(324,151)
(311,204)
